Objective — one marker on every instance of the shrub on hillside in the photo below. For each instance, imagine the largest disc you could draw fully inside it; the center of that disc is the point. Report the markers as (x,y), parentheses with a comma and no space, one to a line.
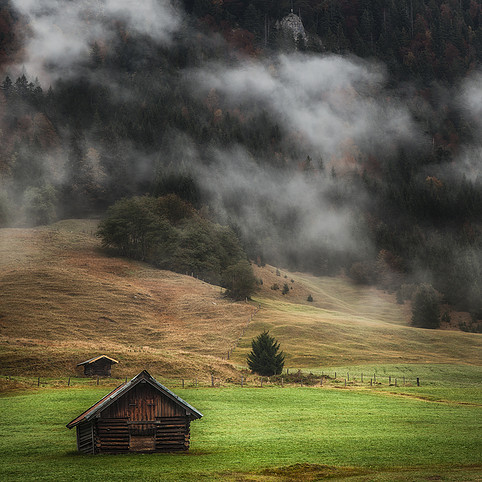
(39,204)
(239,280)
(426,307)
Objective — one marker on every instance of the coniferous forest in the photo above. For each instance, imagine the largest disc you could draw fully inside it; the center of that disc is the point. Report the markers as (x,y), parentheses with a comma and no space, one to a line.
(350,145)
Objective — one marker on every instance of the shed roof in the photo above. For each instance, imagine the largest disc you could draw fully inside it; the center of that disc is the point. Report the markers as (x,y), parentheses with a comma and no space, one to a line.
(143,377)
(92,360)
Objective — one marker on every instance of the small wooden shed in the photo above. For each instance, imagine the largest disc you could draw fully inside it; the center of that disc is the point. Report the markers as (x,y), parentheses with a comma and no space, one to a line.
(140,415)
(98,366)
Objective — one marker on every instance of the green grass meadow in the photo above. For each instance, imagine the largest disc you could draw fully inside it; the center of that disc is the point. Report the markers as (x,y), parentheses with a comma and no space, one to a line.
(269,433)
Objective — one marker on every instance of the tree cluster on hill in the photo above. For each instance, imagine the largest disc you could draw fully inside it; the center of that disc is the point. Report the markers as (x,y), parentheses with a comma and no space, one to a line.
(170,234)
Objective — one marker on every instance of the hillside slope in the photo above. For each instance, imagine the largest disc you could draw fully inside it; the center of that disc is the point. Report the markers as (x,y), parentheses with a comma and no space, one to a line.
(348,324)
(63,300)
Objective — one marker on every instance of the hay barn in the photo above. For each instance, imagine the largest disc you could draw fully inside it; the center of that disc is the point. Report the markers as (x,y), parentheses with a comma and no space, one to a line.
(98,366)
(138,416)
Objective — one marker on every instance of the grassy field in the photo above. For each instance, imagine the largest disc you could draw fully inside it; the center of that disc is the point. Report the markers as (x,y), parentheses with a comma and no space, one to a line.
(258,434)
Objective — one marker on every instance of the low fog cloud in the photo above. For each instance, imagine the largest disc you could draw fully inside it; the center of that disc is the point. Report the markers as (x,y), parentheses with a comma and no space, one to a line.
(63,32)
(469,162)
(327,99)
(258,198)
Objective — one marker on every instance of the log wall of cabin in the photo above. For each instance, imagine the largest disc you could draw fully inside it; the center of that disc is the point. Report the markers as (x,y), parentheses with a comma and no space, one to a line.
(112,436)
(101,368)
(143,420)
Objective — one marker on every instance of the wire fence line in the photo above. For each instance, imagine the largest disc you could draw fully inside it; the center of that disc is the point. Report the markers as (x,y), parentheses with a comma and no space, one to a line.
(298,378)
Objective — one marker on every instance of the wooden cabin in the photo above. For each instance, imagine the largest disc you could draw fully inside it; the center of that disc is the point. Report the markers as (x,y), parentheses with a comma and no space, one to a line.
(98,366)
(138,416)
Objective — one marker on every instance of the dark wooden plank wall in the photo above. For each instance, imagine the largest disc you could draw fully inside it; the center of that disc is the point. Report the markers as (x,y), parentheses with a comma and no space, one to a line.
(143,403)
(172,434)
(85,438)
(142,413)
(101,368)
(112,436)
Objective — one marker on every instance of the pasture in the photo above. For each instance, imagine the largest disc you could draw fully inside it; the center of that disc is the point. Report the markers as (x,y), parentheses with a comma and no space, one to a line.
(269,433)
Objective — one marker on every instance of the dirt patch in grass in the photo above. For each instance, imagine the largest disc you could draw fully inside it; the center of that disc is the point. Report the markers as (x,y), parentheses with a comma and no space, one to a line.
(310,472)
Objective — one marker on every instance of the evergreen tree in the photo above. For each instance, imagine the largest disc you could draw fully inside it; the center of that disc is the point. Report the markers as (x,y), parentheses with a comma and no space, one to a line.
(265,357)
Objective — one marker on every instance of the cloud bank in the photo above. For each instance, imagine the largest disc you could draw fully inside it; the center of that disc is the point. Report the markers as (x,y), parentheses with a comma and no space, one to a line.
(327,99)
(62,32)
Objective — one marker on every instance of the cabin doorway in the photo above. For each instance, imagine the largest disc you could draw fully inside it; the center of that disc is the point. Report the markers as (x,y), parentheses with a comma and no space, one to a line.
(142,436)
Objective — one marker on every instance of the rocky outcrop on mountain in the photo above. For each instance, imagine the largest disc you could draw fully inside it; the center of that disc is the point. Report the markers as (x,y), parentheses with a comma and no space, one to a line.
(292,25)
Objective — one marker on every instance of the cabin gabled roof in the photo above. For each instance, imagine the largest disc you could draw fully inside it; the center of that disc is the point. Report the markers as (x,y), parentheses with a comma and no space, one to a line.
(92,360)
(110,398)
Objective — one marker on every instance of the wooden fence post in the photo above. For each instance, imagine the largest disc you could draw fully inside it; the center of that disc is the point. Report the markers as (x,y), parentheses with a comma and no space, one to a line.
(335,375)
(371,382)
(212,380)
(38,382)
(345,382)
(347,376)
(321,381)
(396,382)
(97,380)
(404,381)
(183,383)
(282,382)
(375,378)
(242,382)
(389,380)
(196,382)
(68,383)
(362,377)
(418,382)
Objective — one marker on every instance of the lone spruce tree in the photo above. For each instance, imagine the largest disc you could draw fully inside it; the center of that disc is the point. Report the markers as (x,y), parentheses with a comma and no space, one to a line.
(264,358)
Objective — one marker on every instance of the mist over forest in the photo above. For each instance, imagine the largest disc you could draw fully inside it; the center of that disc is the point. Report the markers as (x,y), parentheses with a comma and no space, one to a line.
(353,146)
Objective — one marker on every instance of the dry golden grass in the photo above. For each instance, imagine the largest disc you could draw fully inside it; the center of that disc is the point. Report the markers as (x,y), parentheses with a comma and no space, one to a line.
(348,324)
(63,300)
